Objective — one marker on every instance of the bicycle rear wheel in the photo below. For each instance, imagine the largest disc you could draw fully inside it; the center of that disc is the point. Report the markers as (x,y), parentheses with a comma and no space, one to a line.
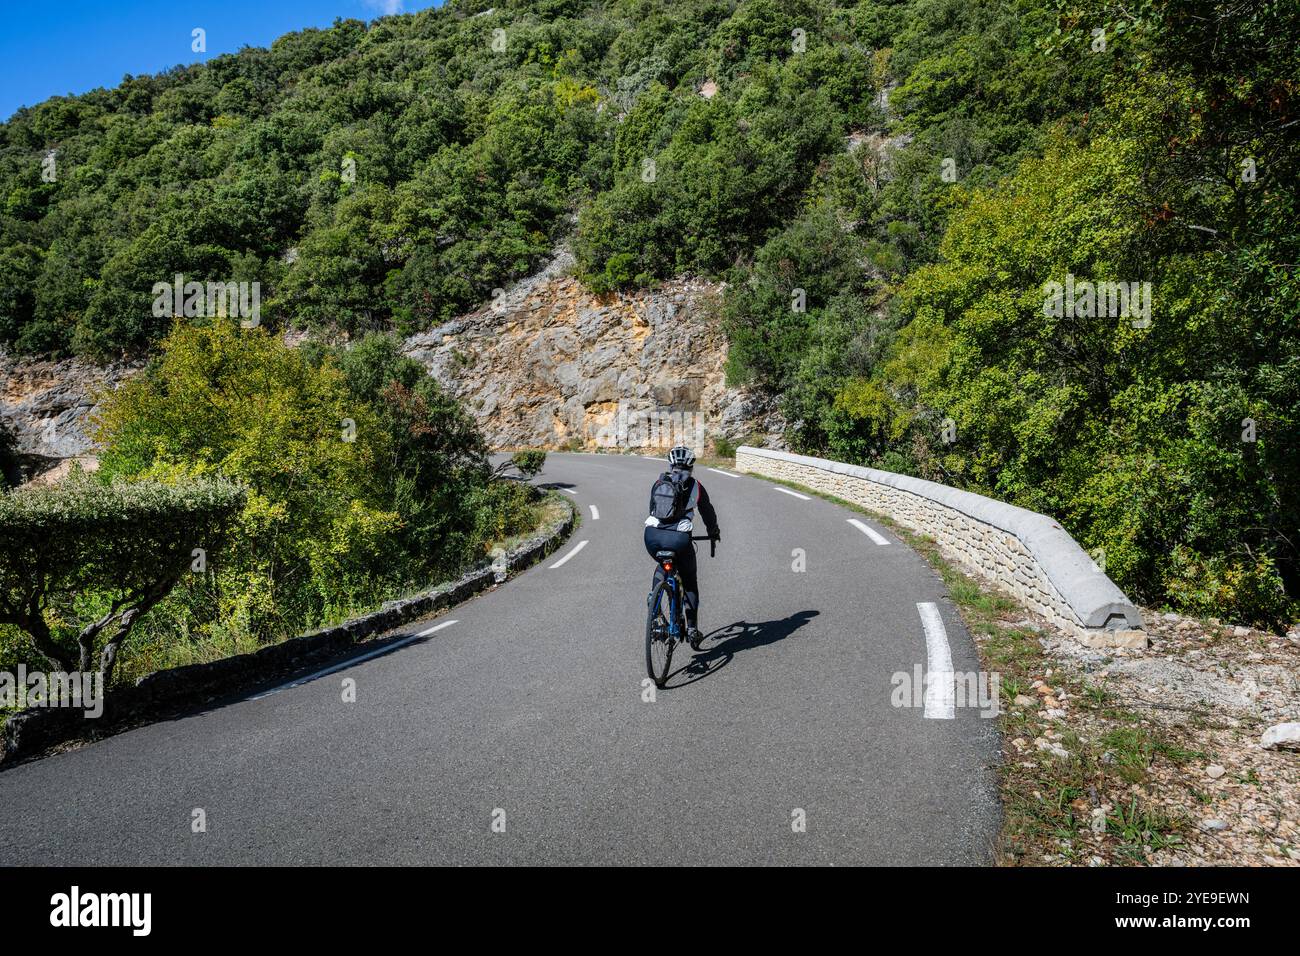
(659,642)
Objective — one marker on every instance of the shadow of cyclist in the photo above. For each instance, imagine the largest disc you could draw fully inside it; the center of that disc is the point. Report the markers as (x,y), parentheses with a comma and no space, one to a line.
(724,643)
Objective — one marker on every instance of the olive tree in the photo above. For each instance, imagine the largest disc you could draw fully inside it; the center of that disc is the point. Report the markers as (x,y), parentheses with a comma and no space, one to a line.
(117,546)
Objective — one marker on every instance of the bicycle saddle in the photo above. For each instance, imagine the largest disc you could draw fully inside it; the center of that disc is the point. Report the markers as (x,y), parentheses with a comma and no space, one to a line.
(665,554)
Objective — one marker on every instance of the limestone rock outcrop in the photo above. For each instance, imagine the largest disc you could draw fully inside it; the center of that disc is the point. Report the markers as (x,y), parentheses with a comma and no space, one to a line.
(550,364)
(49,405)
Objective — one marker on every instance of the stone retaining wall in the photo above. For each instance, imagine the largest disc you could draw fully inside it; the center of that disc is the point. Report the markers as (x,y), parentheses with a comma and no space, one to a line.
(1024,553)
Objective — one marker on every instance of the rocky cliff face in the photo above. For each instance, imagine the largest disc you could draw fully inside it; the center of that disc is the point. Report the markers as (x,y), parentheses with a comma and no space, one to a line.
(550,365)
(48,406)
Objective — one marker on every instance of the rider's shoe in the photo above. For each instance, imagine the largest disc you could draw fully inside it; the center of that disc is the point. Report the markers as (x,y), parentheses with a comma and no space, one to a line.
(694,637)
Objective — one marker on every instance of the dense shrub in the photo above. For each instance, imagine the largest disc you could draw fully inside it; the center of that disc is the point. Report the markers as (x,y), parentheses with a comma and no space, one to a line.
(364,479)
(84,561)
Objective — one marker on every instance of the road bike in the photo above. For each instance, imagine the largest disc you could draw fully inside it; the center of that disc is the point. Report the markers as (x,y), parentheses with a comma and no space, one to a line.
(665,625)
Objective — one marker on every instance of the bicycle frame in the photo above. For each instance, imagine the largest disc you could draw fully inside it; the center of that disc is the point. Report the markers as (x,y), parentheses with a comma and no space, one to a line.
(671,582)
(658,662)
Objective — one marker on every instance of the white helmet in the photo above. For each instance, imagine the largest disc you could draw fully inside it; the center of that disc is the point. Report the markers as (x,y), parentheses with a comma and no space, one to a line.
(681,457)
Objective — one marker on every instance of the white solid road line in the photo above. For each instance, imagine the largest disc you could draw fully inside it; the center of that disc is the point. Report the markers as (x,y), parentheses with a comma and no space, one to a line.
(793,494)
(719,471)
(568,491)
(869,531)
(595,514)
(360,658)
(938,664)
(560,563)
(649,458)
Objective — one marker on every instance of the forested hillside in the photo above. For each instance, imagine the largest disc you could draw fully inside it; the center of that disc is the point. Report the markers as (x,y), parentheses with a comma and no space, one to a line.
(912,203)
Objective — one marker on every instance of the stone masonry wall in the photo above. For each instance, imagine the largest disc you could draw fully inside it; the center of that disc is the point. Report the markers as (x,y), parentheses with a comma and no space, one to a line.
(992,552)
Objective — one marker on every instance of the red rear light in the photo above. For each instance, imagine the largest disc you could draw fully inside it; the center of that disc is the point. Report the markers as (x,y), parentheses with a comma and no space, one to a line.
(668,565)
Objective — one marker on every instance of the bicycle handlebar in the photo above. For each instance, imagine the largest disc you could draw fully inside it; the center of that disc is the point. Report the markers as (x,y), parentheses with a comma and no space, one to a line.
(713,543)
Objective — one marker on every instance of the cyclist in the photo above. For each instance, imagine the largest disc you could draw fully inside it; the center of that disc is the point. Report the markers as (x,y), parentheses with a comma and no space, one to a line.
(674,498)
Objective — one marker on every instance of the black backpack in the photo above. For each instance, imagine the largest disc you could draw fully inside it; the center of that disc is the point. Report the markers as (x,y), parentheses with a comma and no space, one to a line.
(670,496)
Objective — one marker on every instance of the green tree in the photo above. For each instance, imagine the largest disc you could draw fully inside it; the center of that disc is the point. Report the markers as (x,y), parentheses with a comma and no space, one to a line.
(238,402)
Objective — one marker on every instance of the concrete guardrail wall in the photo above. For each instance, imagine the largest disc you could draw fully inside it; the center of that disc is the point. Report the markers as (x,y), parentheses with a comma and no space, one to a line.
(1026,554)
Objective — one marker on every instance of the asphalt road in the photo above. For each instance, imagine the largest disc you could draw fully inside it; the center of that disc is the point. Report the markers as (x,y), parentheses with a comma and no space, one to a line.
(521,732)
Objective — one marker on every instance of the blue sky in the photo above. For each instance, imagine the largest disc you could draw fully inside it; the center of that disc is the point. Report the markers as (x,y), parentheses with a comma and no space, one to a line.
(57,47)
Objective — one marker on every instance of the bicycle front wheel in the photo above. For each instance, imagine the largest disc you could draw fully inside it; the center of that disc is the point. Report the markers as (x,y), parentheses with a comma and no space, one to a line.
(659,641)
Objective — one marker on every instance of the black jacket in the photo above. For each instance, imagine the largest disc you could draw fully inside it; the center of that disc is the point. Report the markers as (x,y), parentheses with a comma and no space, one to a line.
(706,510)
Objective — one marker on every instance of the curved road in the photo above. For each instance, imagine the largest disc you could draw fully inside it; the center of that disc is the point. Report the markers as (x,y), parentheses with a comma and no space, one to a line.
(520,733)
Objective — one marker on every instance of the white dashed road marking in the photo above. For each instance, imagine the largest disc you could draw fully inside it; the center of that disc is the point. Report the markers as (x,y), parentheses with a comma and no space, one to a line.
(869,531)
(938,664)
(568,491)
(794,494)
(719,471)
(595,514)
(578,547)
